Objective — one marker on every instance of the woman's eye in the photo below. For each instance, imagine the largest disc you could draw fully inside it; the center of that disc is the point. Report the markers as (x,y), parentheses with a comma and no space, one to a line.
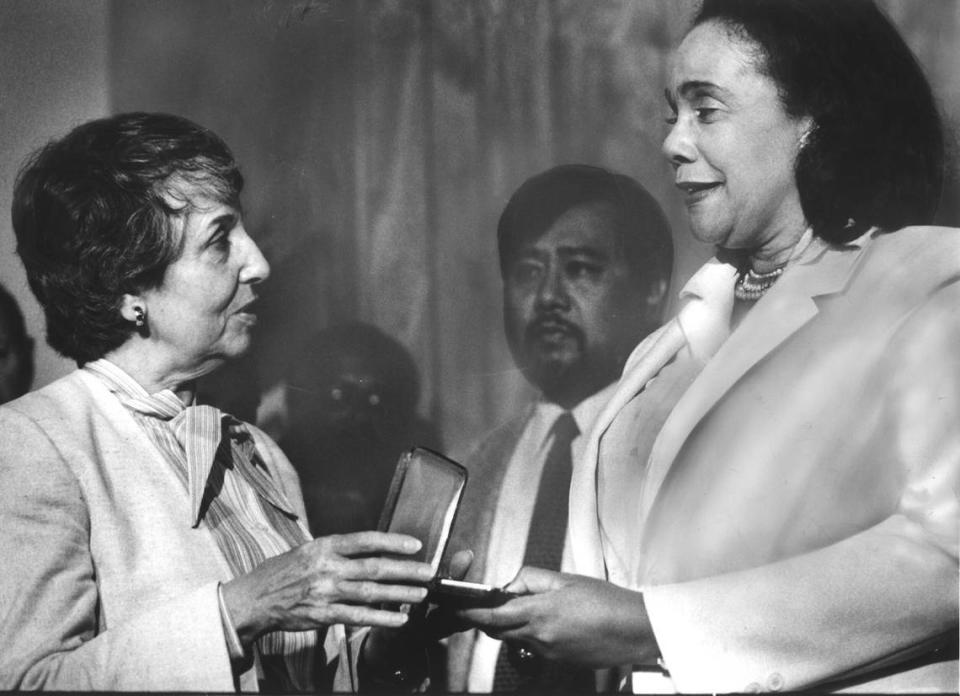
(705,113)
(671,119)
(220,242)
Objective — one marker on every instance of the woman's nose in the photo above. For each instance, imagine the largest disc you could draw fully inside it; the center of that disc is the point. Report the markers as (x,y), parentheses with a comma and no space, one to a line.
(255,267)
(678,147)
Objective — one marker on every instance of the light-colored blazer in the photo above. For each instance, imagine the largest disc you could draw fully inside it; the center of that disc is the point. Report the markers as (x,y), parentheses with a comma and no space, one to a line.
(803,494)
(105,585)
(486,467)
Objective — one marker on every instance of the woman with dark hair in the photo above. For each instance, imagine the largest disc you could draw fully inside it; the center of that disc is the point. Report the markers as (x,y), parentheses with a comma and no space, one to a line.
(794,520)
(150,543)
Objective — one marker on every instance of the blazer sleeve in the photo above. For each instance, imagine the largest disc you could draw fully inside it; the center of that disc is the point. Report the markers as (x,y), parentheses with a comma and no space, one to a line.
(52,629)
(874,598)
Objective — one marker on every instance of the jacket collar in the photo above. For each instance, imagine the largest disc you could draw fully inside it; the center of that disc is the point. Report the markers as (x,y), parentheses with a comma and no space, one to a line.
(820,269)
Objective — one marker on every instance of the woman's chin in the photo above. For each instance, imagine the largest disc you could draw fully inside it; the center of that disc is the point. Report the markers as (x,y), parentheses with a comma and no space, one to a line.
(236,345)
(709,232)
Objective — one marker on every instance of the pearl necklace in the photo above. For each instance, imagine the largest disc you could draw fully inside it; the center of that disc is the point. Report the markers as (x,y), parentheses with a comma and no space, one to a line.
(751,285)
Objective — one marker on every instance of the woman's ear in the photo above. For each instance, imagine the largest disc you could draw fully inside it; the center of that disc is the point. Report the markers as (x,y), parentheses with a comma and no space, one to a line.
(133,308)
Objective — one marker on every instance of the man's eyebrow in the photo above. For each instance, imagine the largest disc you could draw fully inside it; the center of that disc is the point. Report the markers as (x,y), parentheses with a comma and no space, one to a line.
(590,251)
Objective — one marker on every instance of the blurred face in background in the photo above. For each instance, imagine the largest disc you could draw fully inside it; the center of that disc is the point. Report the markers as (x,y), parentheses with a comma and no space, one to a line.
(572,307)
(347,394)
(16,362)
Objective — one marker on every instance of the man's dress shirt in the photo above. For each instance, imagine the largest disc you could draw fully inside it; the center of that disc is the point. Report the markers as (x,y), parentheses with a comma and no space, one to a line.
(515,503)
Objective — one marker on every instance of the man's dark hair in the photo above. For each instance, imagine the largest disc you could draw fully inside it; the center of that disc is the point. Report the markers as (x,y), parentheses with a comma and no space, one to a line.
(875,154)
(642,229)
(93,215)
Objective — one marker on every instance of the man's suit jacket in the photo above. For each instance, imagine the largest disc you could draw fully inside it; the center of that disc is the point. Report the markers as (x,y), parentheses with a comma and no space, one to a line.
(486,467)
(803,493)
(105,585)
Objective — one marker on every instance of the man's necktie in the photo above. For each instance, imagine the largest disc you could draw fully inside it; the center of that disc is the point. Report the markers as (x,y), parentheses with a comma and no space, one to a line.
(516,668)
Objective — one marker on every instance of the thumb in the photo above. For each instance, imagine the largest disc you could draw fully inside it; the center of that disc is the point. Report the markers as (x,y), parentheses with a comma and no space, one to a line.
(532,580)
(460,563)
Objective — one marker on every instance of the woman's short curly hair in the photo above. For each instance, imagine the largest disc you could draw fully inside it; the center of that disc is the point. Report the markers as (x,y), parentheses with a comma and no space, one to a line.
(874,156)
(94,212)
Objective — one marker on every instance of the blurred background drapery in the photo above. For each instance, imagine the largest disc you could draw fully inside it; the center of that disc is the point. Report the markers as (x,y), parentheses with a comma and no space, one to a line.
(381,139)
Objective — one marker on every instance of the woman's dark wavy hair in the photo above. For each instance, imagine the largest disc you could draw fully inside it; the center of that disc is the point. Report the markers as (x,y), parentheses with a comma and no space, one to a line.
(94,211)
(875,154)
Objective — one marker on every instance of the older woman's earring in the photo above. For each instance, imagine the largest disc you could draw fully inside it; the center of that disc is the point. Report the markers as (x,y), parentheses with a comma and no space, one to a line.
(806,136)
(140,317)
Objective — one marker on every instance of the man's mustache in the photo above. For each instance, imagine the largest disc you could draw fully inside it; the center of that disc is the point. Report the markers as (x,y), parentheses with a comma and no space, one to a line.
(551,323)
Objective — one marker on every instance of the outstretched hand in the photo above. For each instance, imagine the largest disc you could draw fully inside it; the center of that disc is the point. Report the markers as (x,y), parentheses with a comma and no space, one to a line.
(573,618)
(333,579)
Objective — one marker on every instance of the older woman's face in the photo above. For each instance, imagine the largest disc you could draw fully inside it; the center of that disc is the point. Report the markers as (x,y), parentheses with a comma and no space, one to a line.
(202,313)
(732,145)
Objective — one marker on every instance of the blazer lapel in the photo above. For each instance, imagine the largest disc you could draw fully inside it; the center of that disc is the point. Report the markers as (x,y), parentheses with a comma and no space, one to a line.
(787,307)
(705,296)
(486,469)
(583,527)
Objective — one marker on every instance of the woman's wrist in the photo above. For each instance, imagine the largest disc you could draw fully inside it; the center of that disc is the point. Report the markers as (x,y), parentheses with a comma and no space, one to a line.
(242,614)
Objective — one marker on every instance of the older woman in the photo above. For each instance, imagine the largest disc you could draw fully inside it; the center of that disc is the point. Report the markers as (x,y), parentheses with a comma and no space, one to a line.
(795,520)
(150,544)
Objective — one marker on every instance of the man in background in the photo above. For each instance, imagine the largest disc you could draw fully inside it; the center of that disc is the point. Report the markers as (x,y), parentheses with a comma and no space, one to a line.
(586,257)
(16,350)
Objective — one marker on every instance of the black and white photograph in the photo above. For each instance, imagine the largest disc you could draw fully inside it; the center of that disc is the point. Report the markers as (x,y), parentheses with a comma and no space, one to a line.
(671,288)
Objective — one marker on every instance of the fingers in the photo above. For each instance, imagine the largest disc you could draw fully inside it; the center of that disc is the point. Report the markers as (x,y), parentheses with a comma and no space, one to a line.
(459,564)
(367,592)
(521,635)
(358,557)
(365,543)
(513,614)
(385,570)
(360,615)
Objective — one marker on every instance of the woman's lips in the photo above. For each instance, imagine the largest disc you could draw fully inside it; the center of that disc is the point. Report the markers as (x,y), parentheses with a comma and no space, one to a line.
(247,312)
(696,191)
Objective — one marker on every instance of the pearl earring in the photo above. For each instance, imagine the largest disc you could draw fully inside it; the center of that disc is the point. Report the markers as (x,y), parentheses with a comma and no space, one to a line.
(140,317)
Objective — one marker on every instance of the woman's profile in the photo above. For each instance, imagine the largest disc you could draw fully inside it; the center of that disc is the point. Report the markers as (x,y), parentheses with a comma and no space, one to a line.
(794,521)
(151,543)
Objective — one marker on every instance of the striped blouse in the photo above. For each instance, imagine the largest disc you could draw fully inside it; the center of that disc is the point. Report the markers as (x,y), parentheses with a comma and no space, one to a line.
(231,494)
